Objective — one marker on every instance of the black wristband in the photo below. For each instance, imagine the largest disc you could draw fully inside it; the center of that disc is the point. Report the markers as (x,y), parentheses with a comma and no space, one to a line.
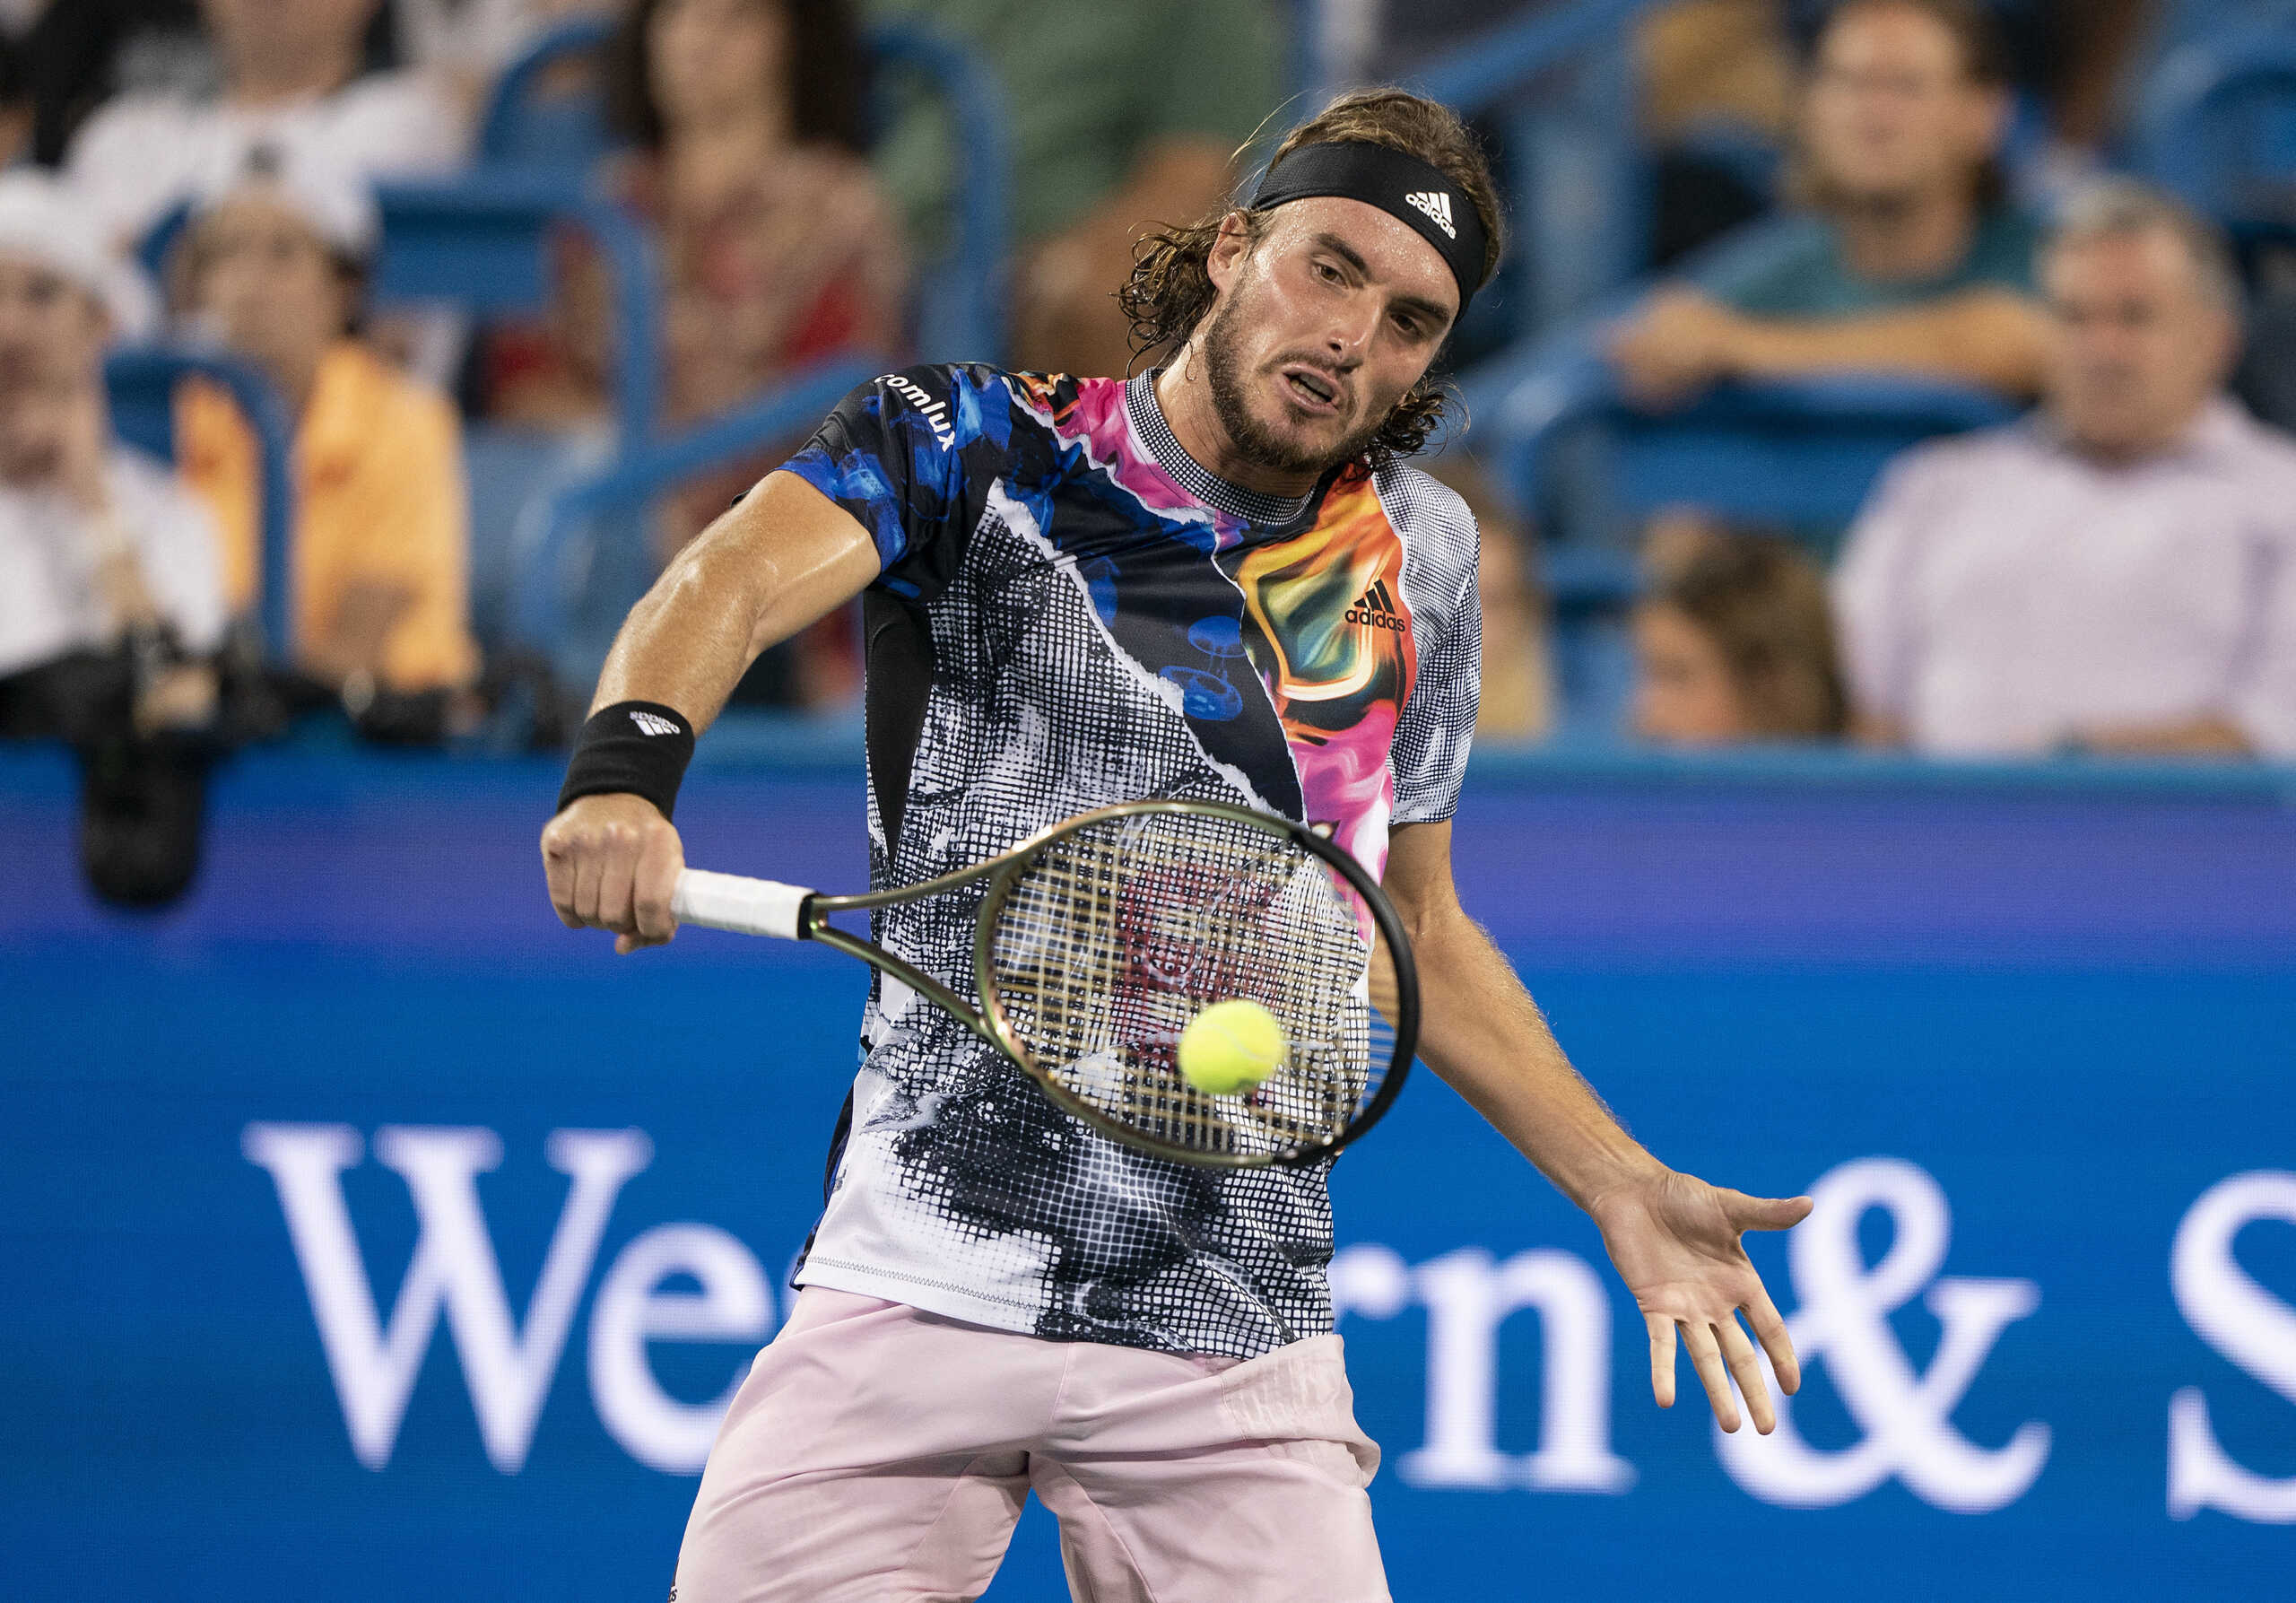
(635,748)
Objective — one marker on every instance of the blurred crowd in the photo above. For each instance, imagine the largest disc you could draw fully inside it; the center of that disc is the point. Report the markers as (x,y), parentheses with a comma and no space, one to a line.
(1919,187)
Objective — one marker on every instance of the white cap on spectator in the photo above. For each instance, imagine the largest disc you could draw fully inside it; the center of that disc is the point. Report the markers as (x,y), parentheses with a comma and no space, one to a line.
(337,201)
(42,220)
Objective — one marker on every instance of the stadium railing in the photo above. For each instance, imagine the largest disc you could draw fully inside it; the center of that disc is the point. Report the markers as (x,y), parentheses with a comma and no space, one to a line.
(2216,123)
(142,382)
(526,124)
(1574,165)
(559,557)
(959,306)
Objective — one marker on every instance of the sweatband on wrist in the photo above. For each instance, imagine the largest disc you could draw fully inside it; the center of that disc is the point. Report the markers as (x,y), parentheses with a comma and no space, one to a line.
(635,748)
(1414,192)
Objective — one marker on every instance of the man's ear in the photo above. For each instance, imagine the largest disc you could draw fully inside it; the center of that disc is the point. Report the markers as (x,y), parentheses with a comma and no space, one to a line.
(1228,251)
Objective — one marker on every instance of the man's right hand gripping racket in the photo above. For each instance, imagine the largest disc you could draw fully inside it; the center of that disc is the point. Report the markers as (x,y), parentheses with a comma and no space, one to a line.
(1100,939)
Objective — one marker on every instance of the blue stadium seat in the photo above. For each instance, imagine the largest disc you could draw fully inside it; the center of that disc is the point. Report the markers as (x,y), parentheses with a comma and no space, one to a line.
(141,382)
(482,242)
(531,122)
(2216,123)
(960,300)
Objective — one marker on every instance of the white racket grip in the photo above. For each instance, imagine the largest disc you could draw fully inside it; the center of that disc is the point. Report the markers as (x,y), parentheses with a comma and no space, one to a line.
(744,906)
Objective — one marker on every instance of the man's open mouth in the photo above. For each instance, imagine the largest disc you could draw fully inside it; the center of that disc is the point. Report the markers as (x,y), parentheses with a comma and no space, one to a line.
(1312,390)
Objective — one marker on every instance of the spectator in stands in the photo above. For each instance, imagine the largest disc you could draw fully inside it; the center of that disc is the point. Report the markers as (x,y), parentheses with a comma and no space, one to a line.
(778,247)
(1517,702)
(1733,640)
(271,267)
(1909,259)
(1124,113)
(2117,573)
(293,76)
(111,606)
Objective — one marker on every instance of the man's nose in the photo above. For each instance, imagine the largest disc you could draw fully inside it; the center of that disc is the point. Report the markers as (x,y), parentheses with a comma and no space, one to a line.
(1350,332)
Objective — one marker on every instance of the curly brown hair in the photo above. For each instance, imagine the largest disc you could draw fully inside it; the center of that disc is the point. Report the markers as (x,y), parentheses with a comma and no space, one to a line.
(1169,292)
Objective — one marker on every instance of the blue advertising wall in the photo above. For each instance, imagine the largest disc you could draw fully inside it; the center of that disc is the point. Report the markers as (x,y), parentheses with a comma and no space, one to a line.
(364,1234)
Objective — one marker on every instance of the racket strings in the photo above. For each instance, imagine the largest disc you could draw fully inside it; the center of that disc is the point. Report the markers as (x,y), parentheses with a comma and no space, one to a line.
(1117,936)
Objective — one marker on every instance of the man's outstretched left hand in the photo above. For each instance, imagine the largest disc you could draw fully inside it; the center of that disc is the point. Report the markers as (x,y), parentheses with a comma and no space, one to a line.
(1674,1240)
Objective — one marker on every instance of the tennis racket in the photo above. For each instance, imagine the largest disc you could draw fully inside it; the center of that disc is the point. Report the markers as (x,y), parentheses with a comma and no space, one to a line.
(1101,938)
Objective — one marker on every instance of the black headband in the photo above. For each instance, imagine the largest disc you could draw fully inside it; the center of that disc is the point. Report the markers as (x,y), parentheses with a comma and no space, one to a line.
(1405,187)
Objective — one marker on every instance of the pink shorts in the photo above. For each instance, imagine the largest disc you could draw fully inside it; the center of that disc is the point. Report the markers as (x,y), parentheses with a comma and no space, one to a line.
(880,1454)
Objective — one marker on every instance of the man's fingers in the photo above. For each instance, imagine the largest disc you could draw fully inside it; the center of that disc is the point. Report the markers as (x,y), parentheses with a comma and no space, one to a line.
(659,864)
(1698,1339)
(616,875)
(1770,1328)
(558,868)
(1768,1213)
(589,869)
(1746,1369)
(1662,1358)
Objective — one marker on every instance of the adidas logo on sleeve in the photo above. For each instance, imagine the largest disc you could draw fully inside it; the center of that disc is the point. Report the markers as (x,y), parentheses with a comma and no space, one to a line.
(1437,206)
(653,723)
(1377,608)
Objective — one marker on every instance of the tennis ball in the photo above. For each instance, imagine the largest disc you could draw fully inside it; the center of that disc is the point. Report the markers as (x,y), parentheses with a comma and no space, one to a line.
(1230,1046)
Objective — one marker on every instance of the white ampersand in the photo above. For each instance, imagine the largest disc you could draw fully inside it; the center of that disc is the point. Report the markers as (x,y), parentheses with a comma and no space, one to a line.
(1843,1321)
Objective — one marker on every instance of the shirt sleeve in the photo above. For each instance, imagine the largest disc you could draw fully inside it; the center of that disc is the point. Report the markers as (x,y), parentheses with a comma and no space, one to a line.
(412,532)
(1436,730)
(2263,697)
(911,456)
(1873,592)
(180,551)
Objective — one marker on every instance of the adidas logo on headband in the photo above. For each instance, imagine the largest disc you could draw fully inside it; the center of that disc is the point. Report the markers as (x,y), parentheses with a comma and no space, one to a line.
(1437,204)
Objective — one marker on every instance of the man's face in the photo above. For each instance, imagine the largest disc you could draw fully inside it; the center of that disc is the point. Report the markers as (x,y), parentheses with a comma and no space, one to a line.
(52,334)
(265,283)
(1321,329)
(1683,692)
(52,331)
(2138,344)
(1891,113)
(711,57)
(294,30)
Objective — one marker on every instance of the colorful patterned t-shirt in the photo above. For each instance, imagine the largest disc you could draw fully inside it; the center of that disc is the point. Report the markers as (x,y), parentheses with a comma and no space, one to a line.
(1073,612)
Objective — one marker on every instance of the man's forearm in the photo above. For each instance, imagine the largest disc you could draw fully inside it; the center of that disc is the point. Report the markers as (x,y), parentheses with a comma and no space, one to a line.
(1990,338)
(1480,1030)
(2210,735)
(782,558)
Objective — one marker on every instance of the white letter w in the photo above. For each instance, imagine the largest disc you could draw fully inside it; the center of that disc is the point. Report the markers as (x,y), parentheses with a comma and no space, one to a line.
(508,1369)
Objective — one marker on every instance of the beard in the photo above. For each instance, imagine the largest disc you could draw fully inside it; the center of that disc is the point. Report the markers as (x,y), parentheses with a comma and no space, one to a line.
(1255,441)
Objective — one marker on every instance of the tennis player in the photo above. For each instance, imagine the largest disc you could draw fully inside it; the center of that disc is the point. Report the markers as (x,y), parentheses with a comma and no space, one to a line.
(1217,580)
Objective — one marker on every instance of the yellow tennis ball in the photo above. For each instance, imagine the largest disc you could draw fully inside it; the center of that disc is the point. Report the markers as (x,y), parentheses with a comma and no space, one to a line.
(1230,1046)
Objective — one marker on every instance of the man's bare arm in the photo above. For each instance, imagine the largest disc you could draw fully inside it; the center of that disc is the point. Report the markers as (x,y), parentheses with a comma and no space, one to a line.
(1480,1030)
(2210,734)
(1673,1238)
(1680,341)
(1988,337)
(782,558)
